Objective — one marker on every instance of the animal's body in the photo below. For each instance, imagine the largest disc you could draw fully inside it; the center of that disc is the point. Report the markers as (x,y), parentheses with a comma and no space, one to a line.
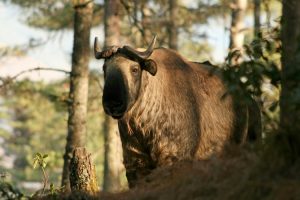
(180,110)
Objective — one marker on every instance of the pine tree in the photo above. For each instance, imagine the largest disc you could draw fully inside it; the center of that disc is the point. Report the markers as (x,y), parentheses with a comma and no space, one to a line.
(113,150)
(290,76)
(83,12)
(172,28)
(237,27)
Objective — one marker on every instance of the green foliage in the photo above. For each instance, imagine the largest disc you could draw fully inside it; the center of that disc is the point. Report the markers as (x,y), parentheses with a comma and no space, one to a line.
(142,19)
(37,113)
(40,161)
(57,15)
(194,50)
(55,190)
(8,192)
(38,125)
(52,15)
(258,75)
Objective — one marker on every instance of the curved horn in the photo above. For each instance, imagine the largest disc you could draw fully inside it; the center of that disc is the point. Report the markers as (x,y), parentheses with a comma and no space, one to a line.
(97,51)
(106,53)
(139,55)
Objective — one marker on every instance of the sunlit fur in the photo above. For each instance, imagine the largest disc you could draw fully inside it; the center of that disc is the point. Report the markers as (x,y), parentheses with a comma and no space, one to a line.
(178,114)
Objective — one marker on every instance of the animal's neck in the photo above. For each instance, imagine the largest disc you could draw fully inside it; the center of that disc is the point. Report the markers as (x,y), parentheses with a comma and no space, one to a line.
(148,105)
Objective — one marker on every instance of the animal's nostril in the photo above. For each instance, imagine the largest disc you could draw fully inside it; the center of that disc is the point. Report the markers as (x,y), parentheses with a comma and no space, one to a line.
(114,108)
(116,104)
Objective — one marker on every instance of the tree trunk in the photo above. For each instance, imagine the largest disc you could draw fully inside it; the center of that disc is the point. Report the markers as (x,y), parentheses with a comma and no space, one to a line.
(146,18)
(112,22)
(113,165)
(290,93)
(256,17)
(78,84)
(172,28)
(113,157)
(266,4)
(82,172)
(237,27)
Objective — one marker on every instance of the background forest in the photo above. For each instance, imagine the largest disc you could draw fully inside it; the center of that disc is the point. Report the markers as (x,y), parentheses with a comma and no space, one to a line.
(51,85)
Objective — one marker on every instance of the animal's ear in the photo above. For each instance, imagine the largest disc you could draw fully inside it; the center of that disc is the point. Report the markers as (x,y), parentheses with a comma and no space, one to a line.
(150,66)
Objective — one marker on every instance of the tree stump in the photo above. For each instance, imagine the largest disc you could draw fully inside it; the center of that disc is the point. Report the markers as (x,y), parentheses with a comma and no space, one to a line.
(82,172)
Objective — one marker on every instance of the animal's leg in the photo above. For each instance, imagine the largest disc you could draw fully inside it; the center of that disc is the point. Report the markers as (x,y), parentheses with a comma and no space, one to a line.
(134,175)
(137,164)
(254,125)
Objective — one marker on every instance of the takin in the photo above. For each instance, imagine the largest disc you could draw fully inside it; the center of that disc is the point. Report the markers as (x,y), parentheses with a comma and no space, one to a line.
(170,109)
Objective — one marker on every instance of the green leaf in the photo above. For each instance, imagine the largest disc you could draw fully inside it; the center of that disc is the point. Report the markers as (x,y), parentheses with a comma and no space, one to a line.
(44,164)
(274,106)
(45,156)
(38,155)
(35,163)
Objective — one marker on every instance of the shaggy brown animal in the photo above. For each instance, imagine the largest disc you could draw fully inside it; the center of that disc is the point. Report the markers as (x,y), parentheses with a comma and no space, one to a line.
(170,109)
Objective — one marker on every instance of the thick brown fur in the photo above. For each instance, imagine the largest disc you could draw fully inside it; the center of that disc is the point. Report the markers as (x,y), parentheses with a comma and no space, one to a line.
(182,113)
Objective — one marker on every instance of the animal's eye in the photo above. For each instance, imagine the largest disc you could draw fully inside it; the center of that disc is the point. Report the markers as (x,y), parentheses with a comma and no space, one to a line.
(134,69)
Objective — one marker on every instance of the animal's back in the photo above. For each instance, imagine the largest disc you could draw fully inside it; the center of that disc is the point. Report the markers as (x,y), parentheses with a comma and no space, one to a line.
(200,90)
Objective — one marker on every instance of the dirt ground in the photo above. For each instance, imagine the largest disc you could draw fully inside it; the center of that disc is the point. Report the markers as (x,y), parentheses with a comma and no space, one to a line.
(237,175)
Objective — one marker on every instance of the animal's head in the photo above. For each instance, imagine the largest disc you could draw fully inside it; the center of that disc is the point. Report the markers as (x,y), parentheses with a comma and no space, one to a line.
(123,68)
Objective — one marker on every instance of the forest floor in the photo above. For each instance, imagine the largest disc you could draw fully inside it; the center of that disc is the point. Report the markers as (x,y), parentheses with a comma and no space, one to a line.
(238,174)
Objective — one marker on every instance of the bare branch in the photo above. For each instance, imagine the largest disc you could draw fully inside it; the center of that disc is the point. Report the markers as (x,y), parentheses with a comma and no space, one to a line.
(8,80)
(132,18)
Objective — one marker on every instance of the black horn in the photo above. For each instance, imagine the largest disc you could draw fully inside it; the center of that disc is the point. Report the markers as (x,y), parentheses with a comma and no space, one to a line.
(139,55)
(106,53)
(126,50)
(97,51)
